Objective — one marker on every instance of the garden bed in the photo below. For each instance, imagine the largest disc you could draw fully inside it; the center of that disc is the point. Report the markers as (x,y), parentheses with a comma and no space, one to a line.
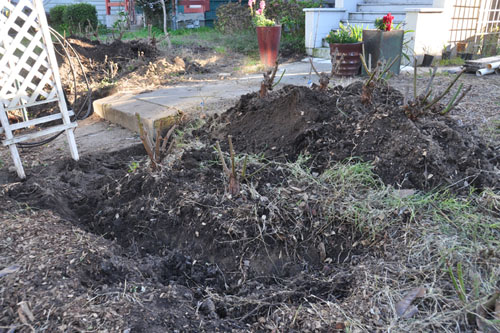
(337,218)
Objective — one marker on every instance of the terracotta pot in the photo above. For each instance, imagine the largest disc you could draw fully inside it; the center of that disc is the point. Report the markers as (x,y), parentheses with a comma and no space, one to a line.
(351,65)
(269,44)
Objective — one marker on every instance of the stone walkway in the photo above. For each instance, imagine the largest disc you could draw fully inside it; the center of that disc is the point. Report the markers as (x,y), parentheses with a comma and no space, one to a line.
(206,96)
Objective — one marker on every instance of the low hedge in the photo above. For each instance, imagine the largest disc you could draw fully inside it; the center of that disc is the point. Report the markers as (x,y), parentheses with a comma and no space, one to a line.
(73,17)
(56,15)
(80,15)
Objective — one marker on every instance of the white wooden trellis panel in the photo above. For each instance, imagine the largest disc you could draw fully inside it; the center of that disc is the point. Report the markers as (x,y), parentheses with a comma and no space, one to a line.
(29,75)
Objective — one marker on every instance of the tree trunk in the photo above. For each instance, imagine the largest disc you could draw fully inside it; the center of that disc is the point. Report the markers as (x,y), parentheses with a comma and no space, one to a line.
(169,43)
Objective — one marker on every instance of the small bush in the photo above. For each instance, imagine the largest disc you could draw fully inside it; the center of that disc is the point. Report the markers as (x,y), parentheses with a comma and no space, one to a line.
(292,45)
(233,17)
(153,12)
(290,14)
(56,15)
(79,16)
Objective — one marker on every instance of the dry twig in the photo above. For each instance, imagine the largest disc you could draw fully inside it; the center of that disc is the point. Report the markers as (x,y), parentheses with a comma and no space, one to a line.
(234,182)
(157,148)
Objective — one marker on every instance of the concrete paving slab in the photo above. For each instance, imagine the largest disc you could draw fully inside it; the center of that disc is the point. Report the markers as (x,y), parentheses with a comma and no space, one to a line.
(425,70)
(156,106)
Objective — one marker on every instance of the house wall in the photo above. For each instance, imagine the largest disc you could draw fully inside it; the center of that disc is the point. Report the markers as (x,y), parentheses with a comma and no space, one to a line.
(99,5)
(206,19)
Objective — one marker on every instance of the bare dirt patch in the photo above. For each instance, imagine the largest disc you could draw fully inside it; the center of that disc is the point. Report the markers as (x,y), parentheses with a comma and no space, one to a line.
(431,151)
(104,243)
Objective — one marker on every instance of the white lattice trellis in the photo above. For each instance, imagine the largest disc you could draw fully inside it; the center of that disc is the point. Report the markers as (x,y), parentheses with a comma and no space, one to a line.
(29,75)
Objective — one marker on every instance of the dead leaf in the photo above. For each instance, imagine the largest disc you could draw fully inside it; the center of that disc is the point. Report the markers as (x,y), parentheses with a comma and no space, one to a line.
(23,306)
(322,252)
(410,312)
(9,270)
(497,309)
(485,310)
(403,306)
(339,326)
(22,317)
(404,193)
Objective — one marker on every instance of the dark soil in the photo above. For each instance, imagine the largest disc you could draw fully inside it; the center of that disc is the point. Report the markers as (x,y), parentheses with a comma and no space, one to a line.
(428,152)
(232,261)
(106,66)
(185,231)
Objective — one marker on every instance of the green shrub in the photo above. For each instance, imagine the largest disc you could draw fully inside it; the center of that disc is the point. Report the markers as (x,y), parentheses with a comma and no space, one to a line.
(346,34)
(233,17)
(153,12)
(290,14)
(56,15)
(79,16)
(291,45)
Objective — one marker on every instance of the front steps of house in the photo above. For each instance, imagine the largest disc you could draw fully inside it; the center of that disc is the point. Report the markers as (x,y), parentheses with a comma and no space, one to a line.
(369,10)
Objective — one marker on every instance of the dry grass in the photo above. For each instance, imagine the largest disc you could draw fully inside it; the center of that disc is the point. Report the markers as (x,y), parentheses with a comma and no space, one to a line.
(414,238)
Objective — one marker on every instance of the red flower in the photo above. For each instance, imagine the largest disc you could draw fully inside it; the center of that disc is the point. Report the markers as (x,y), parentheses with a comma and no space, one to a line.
(388,21)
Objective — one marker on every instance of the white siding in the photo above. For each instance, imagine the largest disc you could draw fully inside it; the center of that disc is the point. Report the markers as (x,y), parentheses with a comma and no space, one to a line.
(99,5)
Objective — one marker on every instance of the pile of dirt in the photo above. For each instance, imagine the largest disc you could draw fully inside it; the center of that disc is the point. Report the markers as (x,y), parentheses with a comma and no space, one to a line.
(116,51)
(239,261)
(120,65)
(431,151)
(246,255)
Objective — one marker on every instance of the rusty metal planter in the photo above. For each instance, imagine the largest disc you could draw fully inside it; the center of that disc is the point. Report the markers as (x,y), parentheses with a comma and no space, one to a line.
(351,65)
(269,44)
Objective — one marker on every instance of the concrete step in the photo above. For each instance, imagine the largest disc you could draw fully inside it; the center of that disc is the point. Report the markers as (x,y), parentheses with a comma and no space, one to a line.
(407,2)
(372,16)
(322,52)
(389,7)
(368,24)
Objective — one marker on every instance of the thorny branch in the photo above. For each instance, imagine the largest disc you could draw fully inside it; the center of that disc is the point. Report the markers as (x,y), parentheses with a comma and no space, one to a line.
(234,182)
(324,79)
(268,82)
(413,109)
(157,148)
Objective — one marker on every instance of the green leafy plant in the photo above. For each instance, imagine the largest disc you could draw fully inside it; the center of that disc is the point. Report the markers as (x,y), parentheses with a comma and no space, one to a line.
(133,166)
(153,11)
(290,14)
(258,15)
(232,17)
(458,282)
(56,14)
(120,26)
(79,16)
(346,34)
(262,21)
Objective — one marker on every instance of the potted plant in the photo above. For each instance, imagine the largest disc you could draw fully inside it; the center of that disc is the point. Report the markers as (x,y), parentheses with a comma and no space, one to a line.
(346,47)
(384,43)
(428,58)
(268,33)
(446,52)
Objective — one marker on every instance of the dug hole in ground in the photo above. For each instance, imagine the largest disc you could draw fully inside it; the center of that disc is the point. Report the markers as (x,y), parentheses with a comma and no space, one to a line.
(351,214)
